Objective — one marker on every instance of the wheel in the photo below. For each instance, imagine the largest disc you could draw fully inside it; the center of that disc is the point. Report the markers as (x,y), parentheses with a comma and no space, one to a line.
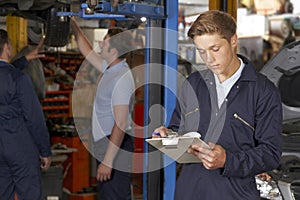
(57,28)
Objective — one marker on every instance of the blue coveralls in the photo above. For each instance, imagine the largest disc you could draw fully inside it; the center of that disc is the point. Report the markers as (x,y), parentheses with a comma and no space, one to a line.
(248,152)
(23,135)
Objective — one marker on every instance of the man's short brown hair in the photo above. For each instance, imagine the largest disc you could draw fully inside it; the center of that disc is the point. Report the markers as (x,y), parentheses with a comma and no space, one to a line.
(121,39)
(213,22)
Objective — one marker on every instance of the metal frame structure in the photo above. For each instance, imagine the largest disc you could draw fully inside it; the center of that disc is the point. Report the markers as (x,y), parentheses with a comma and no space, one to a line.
(167,14)
(170,81)
(124,10)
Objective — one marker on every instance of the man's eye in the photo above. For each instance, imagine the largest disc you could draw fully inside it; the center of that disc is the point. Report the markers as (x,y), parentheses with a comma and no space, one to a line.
(216,49)
(201,51)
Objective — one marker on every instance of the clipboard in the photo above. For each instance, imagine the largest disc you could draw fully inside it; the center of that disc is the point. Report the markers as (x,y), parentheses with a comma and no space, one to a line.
(176,147)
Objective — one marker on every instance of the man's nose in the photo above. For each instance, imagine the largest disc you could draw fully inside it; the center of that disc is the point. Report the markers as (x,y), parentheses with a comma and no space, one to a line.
(209,57)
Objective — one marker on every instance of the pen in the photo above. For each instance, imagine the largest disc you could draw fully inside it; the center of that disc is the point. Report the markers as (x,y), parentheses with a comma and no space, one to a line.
(156,133)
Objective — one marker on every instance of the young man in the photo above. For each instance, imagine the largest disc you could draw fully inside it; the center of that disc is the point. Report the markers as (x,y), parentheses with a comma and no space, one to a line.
(236,110)
(112,131)
(24,138)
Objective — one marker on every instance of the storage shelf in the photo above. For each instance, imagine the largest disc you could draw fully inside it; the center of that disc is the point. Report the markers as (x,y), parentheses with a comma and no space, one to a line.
(55,107)
(57,104)
(57,115)
(55,99)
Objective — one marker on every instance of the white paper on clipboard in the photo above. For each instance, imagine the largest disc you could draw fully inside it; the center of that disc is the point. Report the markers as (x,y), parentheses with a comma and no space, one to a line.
(176,147)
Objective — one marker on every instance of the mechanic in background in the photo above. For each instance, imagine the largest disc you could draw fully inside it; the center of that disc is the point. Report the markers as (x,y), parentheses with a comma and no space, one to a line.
(24,138)
(113,106)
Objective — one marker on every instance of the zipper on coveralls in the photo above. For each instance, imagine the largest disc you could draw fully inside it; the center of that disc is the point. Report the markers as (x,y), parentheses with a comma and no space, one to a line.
(243,121)
(193,111)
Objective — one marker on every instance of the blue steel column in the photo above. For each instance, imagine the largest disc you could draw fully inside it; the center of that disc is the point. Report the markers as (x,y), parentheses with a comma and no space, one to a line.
(170,81)
(146,113)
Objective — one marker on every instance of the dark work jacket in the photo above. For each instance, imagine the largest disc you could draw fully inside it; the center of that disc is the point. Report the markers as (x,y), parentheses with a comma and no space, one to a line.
(252,143)
(23,131)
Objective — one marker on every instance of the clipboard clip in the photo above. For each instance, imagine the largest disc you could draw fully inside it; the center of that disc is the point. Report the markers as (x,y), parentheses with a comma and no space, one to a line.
(169,133)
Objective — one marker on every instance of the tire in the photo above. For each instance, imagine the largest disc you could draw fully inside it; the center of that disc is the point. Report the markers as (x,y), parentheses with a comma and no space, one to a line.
(57,28)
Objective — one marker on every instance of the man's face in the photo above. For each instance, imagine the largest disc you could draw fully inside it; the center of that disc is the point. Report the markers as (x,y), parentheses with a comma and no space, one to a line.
(9,50)
(104,47)
(216,52)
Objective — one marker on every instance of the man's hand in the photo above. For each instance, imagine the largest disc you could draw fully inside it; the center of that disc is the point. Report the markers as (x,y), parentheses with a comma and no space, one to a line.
(264,177)
(34,54)
(45,163)
(103,172)
(160,132)
(212,158)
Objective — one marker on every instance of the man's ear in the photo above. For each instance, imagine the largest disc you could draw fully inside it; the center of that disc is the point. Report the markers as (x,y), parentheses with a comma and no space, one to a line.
(5,47)
(114,51)
(5,51)
(234,40)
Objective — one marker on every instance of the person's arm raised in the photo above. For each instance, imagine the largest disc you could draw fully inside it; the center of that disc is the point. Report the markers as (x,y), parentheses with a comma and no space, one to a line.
(85,47)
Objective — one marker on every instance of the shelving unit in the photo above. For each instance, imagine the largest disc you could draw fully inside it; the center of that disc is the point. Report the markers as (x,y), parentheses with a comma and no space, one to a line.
(57,104)
(69,61)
